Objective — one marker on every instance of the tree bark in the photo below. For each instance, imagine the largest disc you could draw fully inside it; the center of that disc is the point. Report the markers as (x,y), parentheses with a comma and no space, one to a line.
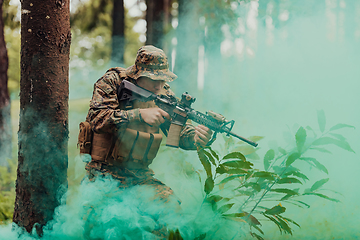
(5,122)
(118,33)
(43,131)
(155,22)
(187,49)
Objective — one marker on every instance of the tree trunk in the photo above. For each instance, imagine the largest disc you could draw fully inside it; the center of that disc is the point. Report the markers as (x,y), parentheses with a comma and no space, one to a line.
(118,33)
(187,49)
(5,123)
(44,91)
(155,22)
(213,70)
(168,33)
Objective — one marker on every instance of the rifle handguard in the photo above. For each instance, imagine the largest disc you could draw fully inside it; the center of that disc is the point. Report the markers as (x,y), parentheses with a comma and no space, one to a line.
(173,137)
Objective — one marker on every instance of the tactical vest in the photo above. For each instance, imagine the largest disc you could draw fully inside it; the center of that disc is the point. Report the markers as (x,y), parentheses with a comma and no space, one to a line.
(135,148)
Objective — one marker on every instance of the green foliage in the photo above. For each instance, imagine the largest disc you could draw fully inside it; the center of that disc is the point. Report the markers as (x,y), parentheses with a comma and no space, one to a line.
(281,181)
(7,192)
(12,39)
(10,16)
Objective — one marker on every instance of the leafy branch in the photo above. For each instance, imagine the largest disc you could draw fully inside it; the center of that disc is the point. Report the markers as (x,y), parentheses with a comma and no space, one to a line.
(253,187)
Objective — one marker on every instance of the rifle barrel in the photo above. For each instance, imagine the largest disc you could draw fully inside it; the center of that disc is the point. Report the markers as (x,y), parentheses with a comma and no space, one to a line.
(254,144)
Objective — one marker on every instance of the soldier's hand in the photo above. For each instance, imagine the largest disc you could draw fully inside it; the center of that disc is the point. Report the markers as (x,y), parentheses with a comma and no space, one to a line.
(202,135)
(154,116)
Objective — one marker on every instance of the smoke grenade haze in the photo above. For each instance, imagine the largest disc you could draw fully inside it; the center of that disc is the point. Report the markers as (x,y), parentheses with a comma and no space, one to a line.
(274,74)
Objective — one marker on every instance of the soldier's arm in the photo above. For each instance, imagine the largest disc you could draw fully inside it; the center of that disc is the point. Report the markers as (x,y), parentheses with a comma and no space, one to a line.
(187,141)
(104,114)
(187,134)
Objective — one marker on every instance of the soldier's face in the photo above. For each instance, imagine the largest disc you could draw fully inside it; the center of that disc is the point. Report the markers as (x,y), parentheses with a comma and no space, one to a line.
(152,85)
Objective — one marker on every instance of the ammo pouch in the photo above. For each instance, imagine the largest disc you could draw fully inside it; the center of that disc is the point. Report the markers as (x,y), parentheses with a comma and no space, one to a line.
(85,138)
(138,145)
(132,145)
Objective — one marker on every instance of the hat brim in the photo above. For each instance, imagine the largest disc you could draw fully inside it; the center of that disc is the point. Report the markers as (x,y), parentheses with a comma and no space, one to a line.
(135,72)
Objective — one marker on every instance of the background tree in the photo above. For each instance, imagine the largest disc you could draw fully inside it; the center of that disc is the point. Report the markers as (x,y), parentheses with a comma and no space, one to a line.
(189,38)
(118,32)
(43,132)
(155,22)
(5,123)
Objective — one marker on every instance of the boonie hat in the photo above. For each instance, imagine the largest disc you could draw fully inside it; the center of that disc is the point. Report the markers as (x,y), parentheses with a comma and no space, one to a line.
(151,62)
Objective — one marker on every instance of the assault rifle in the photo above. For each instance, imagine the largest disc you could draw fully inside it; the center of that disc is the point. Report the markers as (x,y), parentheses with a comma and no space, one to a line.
(179,111)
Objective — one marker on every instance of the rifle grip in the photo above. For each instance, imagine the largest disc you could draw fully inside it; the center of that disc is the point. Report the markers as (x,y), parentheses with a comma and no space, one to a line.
(173,137)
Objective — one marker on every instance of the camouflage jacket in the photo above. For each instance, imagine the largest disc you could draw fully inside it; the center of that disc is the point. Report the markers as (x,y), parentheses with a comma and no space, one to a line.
(105,115)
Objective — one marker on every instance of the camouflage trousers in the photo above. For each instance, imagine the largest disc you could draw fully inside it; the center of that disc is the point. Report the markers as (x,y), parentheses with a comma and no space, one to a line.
(133,177)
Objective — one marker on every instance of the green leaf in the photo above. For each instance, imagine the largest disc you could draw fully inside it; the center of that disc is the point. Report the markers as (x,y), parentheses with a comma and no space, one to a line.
(341,125)
(246,193)
(257,236)
(300,175)
(257,228)
(214,198)
(296,173)
(268,157)
(286,197)
(321,150)
(205,162)
(318,184)
(237,164)
(340,143)
(304,203)
(300,138)
(284,225)
(289,180)
(236,171)
(282,151)
(263,174)
(321,120)
(317,164)
(210,157)
(221,169)
(225,208)
(235,215)
(322,196)
(253,185)
(307,190)
(209,185)
(214,153)
(251,219)
(284,190)
(175,234)
(237,155)
(289,220)
(275,210)
(235,176)
(292,158)
(274,221)
(338,136)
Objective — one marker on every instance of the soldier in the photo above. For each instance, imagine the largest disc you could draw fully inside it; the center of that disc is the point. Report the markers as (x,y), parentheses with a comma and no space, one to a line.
(126,139)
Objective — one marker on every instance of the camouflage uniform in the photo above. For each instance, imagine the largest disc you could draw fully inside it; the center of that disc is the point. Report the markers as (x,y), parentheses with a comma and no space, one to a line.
(108,117)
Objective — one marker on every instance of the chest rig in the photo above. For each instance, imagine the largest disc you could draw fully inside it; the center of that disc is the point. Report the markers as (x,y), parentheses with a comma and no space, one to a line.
(135,147)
